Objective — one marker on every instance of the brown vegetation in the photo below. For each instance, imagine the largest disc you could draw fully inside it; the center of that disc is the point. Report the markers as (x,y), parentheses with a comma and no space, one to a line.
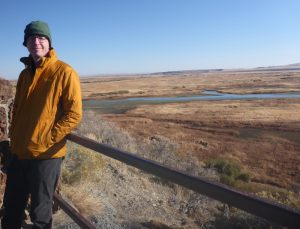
(190,84)
(114,195)
(260,138)
(261,135)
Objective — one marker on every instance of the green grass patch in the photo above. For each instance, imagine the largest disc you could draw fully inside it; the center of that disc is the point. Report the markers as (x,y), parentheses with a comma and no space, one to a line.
(229,171)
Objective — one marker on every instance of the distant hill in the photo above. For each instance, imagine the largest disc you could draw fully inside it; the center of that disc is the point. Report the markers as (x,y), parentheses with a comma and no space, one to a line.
(288,67)
(186,72)
(294,65)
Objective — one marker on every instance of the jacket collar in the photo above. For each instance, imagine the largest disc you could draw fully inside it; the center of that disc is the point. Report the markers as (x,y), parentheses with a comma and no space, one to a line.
(28,61)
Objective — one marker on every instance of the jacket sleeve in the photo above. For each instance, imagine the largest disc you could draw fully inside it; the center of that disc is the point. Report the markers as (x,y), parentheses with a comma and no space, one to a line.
(72,108)
(15,105)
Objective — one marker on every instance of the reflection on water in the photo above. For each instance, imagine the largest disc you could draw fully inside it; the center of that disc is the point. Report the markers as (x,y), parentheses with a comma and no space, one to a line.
(214,95)
(118,106)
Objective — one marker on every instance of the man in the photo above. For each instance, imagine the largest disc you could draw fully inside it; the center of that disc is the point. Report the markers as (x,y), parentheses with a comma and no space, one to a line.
(47,107)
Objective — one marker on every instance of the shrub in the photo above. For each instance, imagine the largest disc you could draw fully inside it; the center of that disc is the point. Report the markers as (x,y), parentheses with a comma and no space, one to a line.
(229,171)
(227,180)
(244,177)
(158,148)
(80,170)
(81,164)
(106,132)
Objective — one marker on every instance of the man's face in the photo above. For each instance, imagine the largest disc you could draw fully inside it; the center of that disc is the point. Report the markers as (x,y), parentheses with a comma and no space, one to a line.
(38,46)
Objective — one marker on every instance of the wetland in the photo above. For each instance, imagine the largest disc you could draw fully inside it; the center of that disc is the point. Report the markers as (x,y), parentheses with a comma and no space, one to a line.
(251,118)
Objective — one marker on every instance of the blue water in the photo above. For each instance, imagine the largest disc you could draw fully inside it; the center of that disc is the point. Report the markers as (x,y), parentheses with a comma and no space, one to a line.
(213,95)
(122,105)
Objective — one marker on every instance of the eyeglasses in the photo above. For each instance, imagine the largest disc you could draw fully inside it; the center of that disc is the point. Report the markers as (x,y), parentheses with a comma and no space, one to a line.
(41,39)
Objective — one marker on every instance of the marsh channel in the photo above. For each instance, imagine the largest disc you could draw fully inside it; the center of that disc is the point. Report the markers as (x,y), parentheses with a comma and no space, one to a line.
(119,106)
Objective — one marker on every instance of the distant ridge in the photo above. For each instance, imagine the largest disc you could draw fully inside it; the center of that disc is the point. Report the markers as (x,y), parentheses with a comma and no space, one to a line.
(186,72)
(288,67)
(296,65)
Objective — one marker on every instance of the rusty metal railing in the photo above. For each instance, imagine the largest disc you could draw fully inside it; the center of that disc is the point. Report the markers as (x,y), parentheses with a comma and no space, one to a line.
(269,210)
(73,213)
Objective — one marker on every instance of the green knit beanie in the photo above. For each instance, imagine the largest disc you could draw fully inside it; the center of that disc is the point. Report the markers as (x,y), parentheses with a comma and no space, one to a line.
(37,28)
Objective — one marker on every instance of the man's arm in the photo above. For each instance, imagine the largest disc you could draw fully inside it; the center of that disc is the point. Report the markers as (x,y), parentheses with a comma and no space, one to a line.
(72,109)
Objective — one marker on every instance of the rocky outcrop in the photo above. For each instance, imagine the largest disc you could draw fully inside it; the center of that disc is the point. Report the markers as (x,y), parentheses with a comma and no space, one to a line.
(6,101)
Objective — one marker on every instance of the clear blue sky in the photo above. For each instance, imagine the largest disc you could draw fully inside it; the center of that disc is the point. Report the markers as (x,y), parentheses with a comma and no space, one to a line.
(137,36)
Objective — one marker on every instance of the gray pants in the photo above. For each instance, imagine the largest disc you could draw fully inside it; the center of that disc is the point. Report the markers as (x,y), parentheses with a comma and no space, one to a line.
(34,178)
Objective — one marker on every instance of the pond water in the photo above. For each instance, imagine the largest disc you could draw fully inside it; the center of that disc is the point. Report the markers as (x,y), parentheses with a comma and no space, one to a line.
(119,106)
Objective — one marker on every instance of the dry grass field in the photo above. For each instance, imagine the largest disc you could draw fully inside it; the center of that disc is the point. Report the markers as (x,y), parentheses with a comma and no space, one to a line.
(262,136)
(222,140)
(189,84)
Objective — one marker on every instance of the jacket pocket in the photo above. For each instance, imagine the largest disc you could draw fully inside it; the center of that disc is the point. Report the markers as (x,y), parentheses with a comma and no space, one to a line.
(41,136)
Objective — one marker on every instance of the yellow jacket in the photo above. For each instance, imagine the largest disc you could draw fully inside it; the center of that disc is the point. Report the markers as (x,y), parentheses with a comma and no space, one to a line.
(47,107)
